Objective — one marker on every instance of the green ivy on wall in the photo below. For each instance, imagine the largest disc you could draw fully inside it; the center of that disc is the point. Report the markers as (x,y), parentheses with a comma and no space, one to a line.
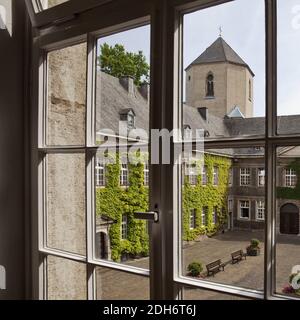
(291,193)
(114,201)
(195,197)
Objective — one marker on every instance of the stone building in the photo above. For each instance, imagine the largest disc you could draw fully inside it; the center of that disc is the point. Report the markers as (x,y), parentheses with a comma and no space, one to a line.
(219,99)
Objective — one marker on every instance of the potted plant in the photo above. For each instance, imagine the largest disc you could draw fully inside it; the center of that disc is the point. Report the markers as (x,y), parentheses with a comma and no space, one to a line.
(195,269)
(253,249)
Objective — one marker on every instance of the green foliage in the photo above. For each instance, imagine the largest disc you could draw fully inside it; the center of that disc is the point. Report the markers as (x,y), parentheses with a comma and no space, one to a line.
(117,62)
(291,193)
(254,243)
(114,201)
(195,268)
(210,196)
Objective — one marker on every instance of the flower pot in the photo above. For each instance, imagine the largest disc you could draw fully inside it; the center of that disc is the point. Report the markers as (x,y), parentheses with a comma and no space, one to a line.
(253,251)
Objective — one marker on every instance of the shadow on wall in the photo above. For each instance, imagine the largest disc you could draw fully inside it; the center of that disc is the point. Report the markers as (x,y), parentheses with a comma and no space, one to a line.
(6,16)
(2,278)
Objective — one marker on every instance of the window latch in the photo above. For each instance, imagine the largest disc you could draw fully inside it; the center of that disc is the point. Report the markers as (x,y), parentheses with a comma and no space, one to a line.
(152,216)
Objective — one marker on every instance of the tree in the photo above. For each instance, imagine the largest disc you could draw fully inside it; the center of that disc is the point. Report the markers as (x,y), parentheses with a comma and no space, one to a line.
(117,62)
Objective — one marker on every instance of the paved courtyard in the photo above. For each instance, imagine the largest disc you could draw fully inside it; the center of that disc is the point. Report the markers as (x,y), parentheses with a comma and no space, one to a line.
(248,273)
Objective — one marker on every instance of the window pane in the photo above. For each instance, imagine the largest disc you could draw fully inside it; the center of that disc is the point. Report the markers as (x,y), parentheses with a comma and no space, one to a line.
(287,222)
(229,221)
(122,126)
(46,4)
(224,70)
(66,219)
(288,44)
(66,96)
(117,285)
(66,279)
(190,293)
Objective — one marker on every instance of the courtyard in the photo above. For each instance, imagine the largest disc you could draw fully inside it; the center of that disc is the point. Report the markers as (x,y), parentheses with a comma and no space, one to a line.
(248,273)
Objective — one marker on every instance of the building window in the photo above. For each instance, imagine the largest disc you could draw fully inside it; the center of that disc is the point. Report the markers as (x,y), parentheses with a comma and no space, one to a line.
(130,121)
(230,177)
(193,219)
(191,172)
(261,177)
(204,215)
(204,175)
(146,174)
(124,227)
(210,85)
(245,209)
(215,215)
(290,178)
(250,90)
(100,173)
(245,177)
(124,174)
(216,176)
(230,205)
(260,210)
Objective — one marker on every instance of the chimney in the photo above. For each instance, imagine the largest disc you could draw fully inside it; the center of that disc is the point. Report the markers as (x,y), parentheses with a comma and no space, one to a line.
(127,83)
(144,90)
(204,113)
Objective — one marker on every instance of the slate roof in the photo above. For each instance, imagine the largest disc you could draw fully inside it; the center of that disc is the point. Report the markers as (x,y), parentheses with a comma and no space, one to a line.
(112,99)
(220,51)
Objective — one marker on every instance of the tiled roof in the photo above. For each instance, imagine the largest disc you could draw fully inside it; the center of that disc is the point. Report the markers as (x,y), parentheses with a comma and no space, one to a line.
(220,51)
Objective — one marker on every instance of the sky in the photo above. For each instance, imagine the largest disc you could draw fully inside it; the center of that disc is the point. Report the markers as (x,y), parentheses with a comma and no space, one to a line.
(243,28)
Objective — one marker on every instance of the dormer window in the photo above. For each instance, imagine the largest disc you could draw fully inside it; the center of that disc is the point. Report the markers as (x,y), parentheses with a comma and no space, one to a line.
(128,115)
(210,92)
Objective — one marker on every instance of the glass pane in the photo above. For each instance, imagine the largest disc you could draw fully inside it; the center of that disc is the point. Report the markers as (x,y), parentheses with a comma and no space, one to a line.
(287,221)
(46,4)
(190,293)
(116,285)
(121,163)
(66,107)
(66,221)
(223,214)
(66,279)
(288,12)
(224,70)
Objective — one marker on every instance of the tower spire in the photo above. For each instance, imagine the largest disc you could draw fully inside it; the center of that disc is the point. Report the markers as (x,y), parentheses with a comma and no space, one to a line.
(220,31)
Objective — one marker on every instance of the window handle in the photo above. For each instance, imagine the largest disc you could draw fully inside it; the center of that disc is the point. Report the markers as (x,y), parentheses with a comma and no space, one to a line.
(149,216)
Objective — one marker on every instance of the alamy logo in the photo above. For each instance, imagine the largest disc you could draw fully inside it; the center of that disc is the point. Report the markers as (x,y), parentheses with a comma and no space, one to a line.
(2,278)
(296,18)
(2,17)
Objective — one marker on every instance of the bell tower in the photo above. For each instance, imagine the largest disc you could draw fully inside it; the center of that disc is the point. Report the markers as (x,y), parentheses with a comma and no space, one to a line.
(220,80)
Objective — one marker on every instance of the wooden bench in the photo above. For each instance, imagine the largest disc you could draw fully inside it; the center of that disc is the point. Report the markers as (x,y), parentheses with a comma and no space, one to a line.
(237,256)
(214,267)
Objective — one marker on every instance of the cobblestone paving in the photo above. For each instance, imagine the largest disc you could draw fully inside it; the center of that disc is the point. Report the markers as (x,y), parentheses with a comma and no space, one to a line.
(248,273)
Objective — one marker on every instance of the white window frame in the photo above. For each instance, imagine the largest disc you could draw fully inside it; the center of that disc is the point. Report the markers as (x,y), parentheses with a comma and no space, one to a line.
(244,207)
(260,210)
(192,220)
(146,174)
(167,95)
(230,205)
(215,176)
(191,172)
(124,227)
(245,177)
(100,173)
(261,174)
(290,178)
(215,215)
(124,175)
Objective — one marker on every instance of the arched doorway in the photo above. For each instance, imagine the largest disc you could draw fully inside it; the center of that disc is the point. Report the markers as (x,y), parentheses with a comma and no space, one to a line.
(289,219)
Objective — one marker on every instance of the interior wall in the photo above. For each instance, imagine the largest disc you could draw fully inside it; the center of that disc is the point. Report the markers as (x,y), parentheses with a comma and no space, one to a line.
(12,159)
